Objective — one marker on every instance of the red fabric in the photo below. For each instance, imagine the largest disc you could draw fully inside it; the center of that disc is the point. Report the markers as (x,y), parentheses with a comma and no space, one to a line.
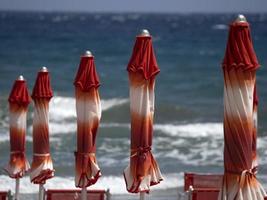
(143,58)
(239,50)
(66,194)
(42,87)
(205,194)
(86,76)
(255,97)
(19,93)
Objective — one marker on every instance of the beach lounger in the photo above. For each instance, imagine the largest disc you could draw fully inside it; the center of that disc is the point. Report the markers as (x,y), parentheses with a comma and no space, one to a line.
(5,195)
(202,186)
(67,194)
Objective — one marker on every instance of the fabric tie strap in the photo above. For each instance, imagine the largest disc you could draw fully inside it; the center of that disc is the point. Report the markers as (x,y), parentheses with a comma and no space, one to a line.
(243,176)
(17,152)
(140,152)
(41,154)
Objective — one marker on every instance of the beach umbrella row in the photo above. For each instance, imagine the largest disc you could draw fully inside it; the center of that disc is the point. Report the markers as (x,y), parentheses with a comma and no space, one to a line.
(41,167)
(240,121)
(143,170)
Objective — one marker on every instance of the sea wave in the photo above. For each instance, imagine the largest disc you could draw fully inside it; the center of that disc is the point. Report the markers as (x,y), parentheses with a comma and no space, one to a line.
(219,27)
(116,184)
(191,129)
(62,108)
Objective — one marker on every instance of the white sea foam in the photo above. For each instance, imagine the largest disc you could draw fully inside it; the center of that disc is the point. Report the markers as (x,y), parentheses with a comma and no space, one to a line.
(118,18)
(180,130)
(192,130)
(4,137)
(116,184)
(219,27)
(64,107)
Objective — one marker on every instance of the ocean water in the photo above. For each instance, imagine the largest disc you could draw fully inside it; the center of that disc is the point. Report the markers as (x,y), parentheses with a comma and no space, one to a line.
(188,131)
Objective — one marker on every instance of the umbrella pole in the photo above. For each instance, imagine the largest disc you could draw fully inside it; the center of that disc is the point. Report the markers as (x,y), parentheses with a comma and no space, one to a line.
(41,191)
(142,195)
(84,194)
(17,189)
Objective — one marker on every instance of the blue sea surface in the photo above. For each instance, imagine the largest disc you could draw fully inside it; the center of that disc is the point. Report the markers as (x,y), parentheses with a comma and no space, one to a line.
(189,89)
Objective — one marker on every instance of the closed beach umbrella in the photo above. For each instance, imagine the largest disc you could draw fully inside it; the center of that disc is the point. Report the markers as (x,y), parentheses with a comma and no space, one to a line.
(143,170)
(239,67)
(19,100)
(88,110)
(42,166)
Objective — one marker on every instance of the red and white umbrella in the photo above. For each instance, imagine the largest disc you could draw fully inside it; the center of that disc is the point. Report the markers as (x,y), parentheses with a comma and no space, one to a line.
(143,170)
(239,67)
(88,108)
(19,100)
(42,166)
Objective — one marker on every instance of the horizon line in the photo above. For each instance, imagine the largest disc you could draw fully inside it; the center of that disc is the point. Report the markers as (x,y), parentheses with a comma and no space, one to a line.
(133,12)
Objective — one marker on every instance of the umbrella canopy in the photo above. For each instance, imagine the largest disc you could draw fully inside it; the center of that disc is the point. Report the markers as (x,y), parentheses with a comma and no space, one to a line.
(19,100)
(143,170)
(88,110)
(42,166)
(239,66)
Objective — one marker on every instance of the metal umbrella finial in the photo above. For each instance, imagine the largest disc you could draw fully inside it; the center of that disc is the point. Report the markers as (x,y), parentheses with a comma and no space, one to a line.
(145,32)
(88,53)
(241,18)
(20,78)
(44,69)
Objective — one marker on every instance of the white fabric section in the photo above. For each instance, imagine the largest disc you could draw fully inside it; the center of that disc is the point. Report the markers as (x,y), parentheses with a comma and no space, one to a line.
(18,120)
(95,171)
(238,100)
(144,107)
(17,170)
(47,165)
(152,100)
(255,120)
(41,114)
(154,176)
(88,110)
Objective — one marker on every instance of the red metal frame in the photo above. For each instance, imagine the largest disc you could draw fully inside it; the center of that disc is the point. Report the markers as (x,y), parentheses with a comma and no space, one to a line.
(205,194)
(204,186)
(71,193)
(205,181)
(3,195)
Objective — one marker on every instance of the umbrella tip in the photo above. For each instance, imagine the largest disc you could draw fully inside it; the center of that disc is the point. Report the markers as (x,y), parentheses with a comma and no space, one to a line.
(88,53)
(20,78)
(44,69)
(241,18)
(145,32)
